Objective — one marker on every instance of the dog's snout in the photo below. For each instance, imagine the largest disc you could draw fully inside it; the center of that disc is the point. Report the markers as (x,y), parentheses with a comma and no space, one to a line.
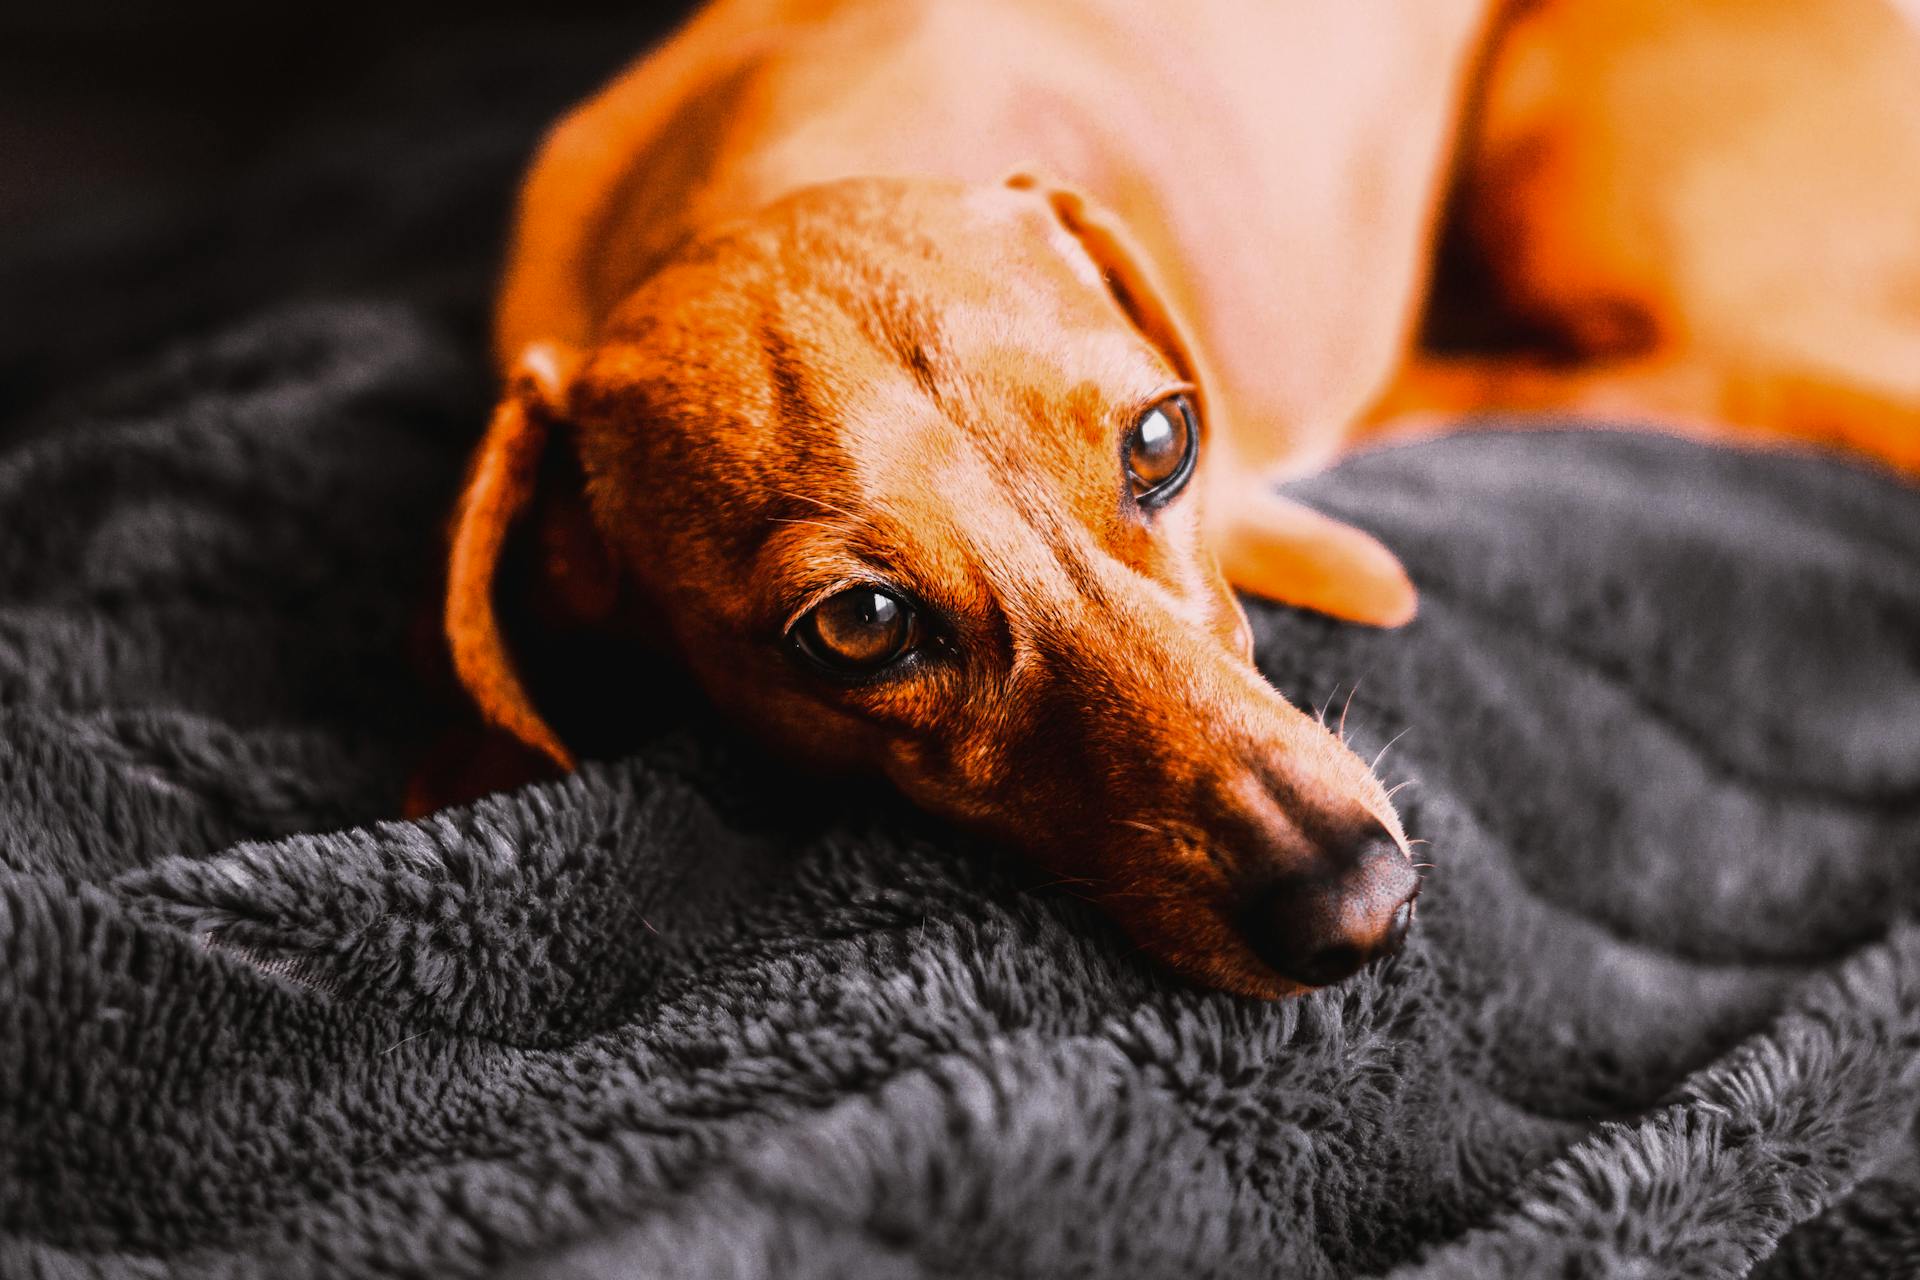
(1320,927)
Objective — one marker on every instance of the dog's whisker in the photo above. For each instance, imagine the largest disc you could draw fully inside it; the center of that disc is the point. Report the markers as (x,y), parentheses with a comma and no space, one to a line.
(1398,787)
(1065,880)
(1375,766)
(818,524)
(1346,707)
(824,505)
(1179,833)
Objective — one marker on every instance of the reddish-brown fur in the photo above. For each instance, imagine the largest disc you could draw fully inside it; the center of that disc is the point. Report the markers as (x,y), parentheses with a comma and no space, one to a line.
(1710,209)
(777,303)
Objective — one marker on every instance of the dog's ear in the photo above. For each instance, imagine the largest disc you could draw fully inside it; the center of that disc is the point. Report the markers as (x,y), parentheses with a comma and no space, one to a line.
(515,478)
(1126,270)
(1267,545)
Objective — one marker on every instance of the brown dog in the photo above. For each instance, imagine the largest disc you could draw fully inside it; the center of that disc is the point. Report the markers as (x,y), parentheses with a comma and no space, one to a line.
(915,374)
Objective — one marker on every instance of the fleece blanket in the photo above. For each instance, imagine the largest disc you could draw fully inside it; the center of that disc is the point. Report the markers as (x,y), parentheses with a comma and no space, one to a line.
(675,1016)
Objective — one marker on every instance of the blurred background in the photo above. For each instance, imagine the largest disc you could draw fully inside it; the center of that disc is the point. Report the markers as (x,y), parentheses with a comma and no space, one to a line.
(157,162)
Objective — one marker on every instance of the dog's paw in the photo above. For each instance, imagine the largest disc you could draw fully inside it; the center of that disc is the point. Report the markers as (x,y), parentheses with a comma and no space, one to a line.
(1278,549)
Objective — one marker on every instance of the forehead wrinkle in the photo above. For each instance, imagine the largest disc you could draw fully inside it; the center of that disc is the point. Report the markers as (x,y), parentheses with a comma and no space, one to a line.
(1036,557)
(894,320)
(794,398)
(873,283)
(1072,547)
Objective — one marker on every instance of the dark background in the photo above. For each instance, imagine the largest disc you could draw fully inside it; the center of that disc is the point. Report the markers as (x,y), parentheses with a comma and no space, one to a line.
(165,168)
(168,170)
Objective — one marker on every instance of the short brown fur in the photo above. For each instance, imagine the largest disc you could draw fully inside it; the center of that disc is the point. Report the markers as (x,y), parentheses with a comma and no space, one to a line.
(833,291)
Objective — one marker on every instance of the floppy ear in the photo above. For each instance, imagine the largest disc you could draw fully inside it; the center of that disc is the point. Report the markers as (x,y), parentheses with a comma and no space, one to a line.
(1126,269)
(1266,545)
(501,489)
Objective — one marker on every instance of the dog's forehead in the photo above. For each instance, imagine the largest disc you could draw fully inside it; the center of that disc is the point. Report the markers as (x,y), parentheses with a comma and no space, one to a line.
(975,418)
(804,347)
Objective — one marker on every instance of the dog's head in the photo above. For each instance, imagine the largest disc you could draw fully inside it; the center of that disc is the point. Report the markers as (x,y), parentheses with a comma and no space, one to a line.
(908,476)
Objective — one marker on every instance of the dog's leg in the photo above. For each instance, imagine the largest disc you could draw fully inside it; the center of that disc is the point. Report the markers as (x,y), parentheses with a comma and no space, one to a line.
(1282,551)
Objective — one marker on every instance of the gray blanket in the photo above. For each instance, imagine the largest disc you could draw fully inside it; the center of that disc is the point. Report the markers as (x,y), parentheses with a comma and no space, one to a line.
(1661,1015)
(681,1015)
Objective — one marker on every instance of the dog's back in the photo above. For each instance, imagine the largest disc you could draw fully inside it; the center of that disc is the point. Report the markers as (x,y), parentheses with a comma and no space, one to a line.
(1280,159)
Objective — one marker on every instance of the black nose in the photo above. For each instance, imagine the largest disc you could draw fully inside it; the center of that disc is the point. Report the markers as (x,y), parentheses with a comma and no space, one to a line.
(1321,926)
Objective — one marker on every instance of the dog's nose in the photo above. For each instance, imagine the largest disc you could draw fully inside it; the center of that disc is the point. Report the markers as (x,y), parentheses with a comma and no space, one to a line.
(1320,927)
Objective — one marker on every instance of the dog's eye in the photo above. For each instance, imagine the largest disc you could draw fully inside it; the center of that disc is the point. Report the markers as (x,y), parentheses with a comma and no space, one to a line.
(860,630)
(1161,451)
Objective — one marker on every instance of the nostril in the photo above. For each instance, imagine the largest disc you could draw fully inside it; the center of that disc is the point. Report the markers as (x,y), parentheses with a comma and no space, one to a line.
(1327,925)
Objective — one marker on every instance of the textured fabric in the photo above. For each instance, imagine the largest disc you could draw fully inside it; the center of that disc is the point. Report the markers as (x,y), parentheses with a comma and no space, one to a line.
(667,1018)
(680,1016)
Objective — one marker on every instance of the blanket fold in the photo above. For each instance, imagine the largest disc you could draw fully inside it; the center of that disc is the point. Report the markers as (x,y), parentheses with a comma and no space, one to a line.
(1661,714)
(1661,1015)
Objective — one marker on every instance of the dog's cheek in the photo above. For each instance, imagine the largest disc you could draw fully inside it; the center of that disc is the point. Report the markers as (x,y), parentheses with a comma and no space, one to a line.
(1231,625)
(960,772)
(1182,561)
(1226,619)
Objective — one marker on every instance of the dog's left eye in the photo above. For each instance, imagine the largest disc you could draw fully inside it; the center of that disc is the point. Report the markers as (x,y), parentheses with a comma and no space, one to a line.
(1160,451)
(858,631)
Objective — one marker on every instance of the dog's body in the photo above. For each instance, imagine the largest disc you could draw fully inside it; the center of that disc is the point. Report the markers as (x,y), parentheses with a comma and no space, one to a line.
(881,336)
(1293,243)
(1292,240)
(1706,209)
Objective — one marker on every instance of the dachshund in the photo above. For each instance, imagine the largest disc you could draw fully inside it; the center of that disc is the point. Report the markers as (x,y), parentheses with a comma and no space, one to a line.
(916,374)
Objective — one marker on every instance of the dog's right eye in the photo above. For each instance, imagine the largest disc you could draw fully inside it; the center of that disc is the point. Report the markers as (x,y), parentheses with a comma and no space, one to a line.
(858,631)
